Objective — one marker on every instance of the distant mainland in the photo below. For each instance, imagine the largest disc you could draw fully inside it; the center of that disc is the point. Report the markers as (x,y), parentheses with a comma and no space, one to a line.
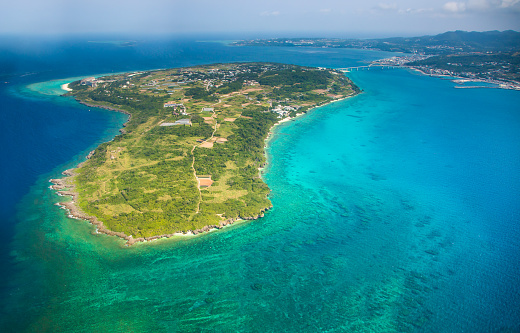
(490,56)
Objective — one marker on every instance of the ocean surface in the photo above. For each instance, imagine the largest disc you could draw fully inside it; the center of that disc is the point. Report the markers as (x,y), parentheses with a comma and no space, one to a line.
(397,210)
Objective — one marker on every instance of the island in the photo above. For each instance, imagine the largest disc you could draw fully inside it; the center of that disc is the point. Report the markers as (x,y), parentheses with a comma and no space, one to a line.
(189,158)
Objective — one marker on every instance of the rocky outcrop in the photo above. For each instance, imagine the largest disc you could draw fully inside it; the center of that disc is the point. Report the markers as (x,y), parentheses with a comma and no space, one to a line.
(90,154)
(66,188)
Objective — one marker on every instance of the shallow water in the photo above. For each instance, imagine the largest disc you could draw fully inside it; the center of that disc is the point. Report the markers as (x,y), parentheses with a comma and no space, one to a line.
(394,211)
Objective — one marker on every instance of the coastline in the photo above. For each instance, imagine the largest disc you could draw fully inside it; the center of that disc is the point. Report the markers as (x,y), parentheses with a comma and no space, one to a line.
(454,79)
(441,75)
(65,187)
(298,115)
(122,130)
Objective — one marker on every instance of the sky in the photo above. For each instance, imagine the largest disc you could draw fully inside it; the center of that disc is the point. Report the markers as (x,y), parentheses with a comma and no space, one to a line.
(270,18)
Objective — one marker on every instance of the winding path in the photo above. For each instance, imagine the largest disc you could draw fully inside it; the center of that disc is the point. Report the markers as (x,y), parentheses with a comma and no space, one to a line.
(193,158)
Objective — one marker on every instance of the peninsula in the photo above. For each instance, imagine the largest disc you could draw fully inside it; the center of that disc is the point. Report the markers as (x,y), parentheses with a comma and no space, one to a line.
(188,159)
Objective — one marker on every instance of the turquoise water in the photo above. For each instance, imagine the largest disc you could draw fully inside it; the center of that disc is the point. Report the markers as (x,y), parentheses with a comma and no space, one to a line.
(416,183)
(394,211)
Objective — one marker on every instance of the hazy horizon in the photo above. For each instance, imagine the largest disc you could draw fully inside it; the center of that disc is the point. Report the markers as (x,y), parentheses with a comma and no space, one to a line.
(213,36)
(329,18)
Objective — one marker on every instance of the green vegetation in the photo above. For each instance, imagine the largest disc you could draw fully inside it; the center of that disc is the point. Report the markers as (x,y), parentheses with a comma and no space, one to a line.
(146,181)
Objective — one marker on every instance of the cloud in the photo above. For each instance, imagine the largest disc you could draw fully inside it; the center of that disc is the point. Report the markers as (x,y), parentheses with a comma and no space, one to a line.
(510,4)
(454,7)
(415,10)
(394,8)
(482,6)
(268,13)
(387,6)
(325,10)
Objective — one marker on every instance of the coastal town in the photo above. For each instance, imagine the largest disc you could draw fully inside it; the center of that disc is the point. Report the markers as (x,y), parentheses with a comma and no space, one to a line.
(494,77)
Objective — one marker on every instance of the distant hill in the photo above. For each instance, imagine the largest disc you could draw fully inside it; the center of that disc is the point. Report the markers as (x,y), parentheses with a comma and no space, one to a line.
(465,41)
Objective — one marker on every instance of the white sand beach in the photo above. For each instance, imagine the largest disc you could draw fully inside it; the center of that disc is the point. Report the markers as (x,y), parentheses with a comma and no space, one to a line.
(65,87)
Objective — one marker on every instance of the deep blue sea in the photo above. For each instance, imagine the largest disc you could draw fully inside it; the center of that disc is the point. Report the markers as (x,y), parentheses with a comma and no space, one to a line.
(397,210)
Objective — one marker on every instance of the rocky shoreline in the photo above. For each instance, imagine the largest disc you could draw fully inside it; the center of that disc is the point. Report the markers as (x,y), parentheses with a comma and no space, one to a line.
(122,130)
(64,187)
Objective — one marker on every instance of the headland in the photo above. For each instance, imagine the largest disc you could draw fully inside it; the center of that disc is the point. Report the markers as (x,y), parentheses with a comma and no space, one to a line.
(187,160)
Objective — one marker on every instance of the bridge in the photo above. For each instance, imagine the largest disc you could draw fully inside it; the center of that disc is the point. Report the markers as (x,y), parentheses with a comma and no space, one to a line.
(367,67)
